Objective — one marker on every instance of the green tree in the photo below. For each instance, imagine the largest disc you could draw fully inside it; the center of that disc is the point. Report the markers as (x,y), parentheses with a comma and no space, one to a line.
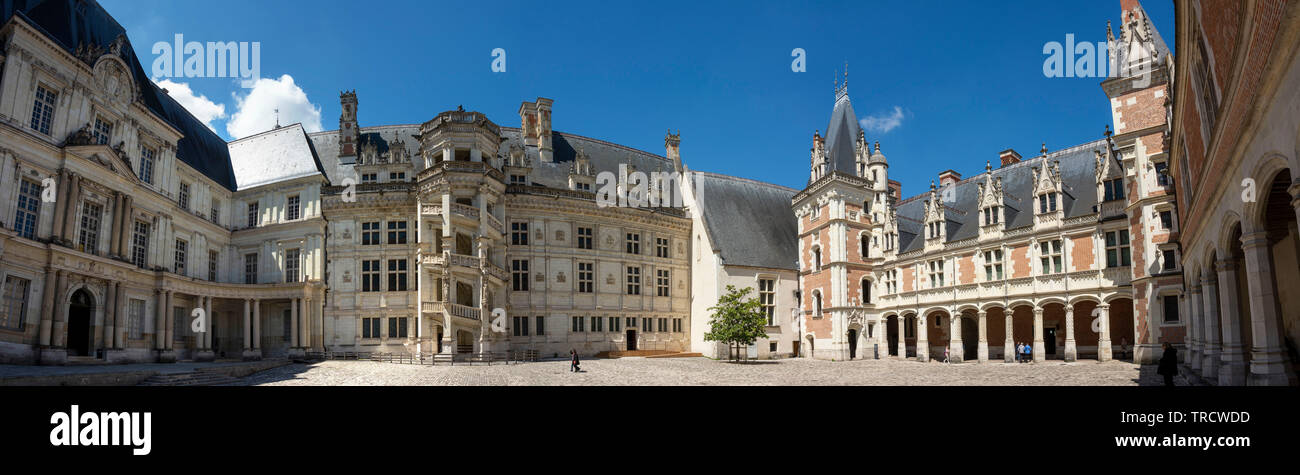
(737,320)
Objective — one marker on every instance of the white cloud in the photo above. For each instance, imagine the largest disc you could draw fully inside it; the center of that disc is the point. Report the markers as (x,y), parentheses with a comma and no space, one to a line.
(883,123)
(200,106)
(255,112)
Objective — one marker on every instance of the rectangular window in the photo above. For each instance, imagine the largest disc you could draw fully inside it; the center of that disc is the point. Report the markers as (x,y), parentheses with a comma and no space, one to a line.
(519,275)
(369,328)
(578,325)
(140,244)
(631,322)
(397,275)
(633,243)
(1113,189)
(993,265)
(1047,202)
(633,280)
(520,326)
(250,268)
(615,324)
(767,298)
(146,164)
(645,324)
(541,325)
(935,269)
(369,177)
(43,109)
(1167,220)
(88,238)
(1117,249)
(661,282)
(1050,255)
(291,260)
(212,265)
(370,233)
(183,197)
(518,179)
(661,247)
(252,215)
(103,131)
(1162,173)
(597,324)
(584,238)
(586,280)
(370,275)
(397,327)
(14,313)
(181,248)
(519,233)
(1171,308)
(1169,262)
(29,207)
(215,214)
(396,176)
(677,326)
(135,319)
(294,208)
(397,232)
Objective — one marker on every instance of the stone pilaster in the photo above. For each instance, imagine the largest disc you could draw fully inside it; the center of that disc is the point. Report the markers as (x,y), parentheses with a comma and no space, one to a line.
(1040,349)
(922,339)
(1104,350)
(1269,364)
(1009,345)
(956,350)
(1232,367)
(1210,352)
(983,349)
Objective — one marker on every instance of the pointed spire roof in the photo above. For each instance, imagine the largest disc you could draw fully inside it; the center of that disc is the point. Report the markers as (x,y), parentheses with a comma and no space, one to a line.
(841,135)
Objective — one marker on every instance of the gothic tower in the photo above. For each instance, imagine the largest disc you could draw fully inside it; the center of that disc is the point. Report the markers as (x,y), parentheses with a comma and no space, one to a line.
(348,127)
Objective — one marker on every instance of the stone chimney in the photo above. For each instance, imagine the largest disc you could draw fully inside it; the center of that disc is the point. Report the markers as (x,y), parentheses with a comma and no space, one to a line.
(1009,157)
(948,177)
(348,128)
(896,190)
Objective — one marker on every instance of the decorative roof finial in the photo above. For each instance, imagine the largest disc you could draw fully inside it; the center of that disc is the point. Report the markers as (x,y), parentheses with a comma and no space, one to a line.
(988,166)
(1044,150)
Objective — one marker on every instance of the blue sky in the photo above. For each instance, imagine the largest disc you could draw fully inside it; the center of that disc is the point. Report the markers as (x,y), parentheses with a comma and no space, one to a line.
(963,79)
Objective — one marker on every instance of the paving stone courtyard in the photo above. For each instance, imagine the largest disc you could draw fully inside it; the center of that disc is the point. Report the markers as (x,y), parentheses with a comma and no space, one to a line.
(703,371)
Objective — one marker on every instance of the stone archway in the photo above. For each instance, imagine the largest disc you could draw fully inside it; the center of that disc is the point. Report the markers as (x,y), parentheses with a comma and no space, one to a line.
(892,334)
(81,321)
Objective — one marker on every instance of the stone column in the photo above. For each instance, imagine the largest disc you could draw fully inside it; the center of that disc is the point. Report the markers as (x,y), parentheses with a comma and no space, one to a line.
(1009,345)
(1103,336)
(60,310)
(207,330)
(448,335)
(922,339)
(70,213)
(56,228)
(1210,353)
(160,327)
(1040,353)
(115,234)
(1071,350)
(122,319)
(293,323)
(306,324)
(257,324)
(1232,367)
(955,347)
(47,304)
(1194,327)
(128,225)
(248,325)
(110,314)
(983,348)
(1269,364)
(902,340)
(170,320)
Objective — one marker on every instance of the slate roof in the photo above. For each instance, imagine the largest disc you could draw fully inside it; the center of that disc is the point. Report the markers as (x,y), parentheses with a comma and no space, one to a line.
(1078,177)
(841,137)
(275,155)
(750,222)
(71,23)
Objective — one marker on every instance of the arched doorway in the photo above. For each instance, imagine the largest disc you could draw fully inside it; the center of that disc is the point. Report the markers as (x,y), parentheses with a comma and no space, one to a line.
(1122,329)
(81,310)
(853,343)
(1279,325)
(891,334)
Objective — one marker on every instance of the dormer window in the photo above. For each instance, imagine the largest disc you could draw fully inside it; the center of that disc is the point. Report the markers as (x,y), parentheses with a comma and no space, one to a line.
(369,177)
(396,176)
(992,215)
(103,130)
(1113,189)
(1047,203)
(518,179)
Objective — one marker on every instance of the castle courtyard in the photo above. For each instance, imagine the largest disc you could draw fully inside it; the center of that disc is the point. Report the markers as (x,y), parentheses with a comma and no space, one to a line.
(707,372)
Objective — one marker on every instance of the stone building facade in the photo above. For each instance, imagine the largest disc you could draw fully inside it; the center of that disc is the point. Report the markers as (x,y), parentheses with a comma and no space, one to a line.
(1235,141)
(1071,251)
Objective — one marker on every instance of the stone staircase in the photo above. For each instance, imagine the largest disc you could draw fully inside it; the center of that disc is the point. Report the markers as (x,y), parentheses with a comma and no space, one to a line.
(192,378)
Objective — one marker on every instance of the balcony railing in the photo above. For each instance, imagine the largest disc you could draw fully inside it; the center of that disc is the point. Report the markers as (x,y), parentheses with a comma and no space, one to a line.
(463,311)
(465,210)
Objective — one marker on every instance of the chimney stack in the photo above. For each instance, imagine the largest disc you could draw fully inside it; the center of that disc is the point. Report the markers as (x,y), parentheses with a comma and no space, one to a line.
(1009,157)
(948,177)
(896,190)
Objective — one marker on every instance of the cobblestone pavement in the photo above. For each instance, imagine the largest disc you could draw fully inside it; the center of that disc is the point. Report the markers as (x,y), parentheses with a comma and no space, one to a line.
(703,371)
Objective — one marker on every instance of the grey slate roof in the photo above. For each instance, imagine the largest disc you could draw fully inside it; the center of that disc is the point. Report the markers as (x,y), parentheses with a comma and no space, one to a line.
(750,222)
(841,137)
(72,23)
(275,155)
(1078,177)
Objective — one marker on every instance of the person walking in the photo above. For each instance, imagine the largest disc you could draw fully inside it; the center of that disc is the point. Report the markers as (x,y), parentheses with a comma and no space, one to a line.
(1168,364)
(573,361)
(1029,353)
(945,355)
(1020,350)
